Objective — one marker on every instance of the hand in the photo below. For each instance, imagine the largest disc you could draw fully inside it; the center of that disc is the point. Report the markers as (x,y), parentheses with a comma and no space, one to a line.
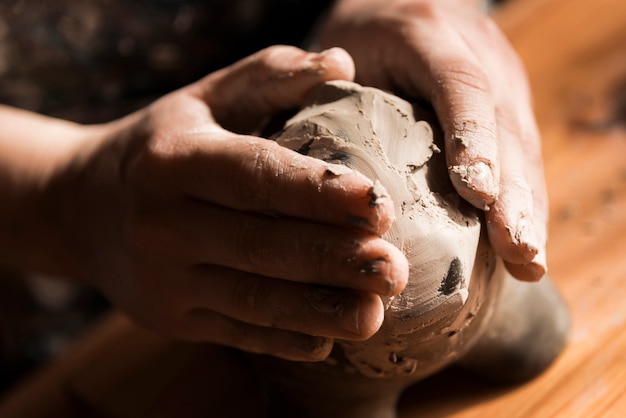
(206,234)
(450,54)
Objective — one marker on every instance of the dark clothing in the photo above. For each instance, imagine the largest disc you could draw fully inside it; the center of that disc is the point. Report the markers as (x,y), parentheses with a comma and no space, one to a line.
(94,60)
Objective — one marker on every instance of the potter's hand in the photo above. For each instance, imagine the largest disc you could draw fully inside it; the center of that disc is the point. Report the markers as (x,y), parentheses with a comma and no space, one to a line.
(450,54)
(210,235)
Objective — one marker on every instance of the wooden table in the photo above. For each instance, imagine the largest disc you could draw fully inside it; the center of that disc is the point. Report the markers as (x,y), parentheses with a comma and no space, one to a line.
(575,53)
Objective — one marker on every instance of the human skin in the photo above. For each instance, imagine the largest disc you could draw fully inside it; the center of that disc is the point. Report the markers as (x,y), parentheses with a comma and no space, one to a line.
(450,54)
(199,232)
(203,231)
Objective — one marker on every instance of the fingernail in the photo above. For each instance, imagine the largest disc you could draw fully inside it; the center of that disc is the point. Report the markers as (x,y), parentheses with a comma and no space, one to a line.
(479,178)
(377,194)
(375,268)
(359,222)
(338,304)
(314,348)
(383,215)
(539,264)
(529,272)
(373,210)
(316,62)
(379,269)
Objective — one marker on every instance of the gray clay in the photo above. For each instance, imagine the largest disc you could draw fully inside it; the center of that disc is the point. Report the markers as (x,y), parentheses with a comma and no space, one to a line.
(460,306)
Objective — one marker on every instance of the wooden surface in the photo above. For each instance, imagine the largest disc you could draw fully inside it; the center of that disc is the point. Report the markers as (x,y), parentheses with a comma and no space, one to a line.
(575,52)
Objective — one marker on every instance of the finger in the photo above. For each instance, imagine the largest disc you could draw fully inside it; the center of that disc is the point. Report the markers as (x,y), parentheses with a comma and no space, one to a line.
(523,183)
(498,139)
(514,226)
(274,79)
(310,309)
(529,272)
(523,208)
(284,248)
(204,325)
(510,220)
(533,150)
(457,86)
(254,174)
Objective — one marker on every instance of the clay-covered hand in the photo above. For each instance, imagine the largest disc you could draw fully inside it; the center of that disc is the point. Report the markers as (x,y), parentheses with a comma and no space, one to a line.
(205,232)
(450,54)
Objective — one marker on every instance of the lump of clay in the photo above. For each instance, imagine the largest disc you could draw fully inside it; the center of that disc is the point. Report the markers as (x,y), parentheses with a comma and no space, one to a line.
(459,299)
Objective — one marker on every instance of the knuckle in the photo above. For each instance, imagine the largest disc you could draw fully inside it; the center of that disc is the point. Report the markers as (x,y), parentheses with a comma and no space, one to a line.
(277,52)
(269,64)
(250,242)
(265,176)
(463,75)
(263,164)
(322,260)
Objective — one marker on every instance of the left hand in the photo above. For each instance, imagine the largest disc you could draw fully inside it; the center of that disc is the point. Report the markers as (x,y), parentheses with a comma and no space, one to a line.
(452,55)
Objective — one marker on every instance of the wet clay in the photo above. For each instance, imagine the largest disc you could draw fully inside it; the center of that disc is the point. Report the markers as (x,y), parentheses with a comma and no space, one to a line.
(460,305)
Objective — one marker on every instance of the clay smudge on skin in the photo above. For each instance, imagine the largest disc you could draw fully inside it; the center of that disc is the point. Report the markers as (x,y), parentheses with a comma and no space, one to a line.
(336,304)
(376,193)
(377,268)
(373,267)
(520,236)
(462,135)
(337,170)
(478,178)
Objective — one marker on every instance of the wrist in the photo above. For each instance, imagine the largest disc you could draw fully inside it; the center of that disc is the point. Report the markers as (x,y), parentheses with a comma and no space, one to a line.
(34,152)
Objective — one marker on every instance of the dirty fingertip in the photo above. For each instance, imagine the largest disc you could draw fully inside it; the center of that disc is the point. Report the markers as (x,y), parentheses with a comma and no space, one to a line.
(336,63)
(309,348)
(373,211)
(383,208)
(511,244)
(399,273)
(476,183)
(511,226)
(530,272)
(371,315)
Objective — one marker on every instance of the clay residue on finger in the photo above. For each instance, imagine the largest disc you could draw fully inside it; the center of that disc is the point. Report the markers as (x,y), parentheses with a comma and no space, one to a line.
(512,226)
(337,170)
(475,182)
(463,134)
(473,176)
(377,193)
(381,216)
(521,238)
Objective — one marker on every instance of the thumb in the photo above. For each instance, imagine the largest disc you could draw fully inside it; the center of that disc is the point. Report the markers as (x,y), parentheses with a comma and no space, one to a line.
(277,78)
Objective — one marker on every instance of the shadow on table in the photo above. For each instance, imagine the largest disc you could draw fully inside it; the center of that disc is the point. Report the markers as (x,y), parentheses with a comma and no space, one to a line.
(448,392)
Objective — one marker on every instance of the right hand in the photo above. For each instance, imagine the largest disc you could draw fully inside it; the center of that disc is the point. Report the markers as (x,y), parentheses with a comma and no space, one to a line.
(450,54)
(204,232)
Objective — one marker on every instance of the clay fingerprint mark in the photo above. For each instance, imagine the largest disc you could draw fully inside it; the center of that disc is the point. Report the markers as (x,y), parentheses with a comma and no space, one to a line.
(453,278)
